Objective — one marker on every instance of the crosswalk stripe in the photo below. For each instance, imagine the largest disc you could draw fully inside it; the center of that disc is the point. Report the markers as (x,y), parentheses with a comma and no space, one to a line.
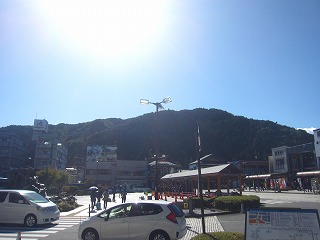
(23,235)
(10,233)
(14,238)
(59,228)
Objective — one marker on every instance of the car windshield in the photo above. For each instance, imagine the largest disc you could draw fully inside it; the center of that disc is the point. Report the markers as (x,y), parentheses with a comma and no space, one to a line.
(35,197)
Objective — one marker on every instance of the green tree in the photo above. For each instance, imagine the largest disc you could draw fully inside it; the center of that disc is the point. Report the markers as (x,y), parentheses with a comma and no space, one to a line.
(53,179)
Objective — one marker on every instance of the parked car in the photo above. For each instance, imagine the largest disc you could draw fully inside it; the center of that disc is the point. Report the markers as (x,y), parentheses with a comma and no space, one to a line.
(26,207)
(149,220)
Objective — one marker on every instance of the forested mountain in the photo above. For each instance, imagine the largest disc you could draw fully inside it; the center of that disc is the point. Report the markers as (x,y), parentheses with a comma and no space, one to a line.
(227,136)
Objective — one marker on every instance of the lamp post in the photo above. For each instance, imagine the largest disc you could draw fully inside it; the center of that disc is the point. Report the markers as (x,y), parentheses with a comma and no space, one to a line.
(158,106)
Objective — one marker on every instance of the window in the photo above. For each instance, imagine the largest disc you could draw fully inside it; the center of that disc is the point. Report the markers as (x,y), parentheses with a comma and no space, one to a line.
(15,198)
(279,164)
(104,171)
(117,212)
(143,209)
(3,196)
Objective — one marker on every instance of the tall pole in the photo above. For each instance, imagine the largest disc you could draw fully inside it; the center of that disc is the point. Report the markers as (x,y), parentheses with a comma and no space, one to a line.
(158,105)
(157,156)
(200,181)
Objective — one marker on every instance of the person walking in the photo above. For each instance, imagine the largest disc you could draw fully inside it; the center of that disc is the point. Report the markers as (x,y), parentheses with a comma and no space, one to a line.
(124,196)
(114,193)
(93,198)
(99,196)
(105,197)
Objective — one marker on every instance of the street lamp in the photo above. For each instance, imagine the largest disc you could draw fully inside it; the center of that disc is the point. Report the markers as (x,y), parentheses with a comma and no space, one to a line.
(158,106)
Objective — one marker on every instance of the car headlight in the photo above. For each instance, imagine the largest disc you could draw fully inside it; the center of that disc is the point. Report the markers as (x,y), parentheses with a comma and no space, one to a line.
(42,209)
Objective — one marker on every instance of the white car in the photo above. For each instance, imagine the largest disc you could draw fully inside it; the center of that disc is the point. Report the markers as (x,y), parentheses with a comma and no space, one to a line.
(149,220)
(26,207)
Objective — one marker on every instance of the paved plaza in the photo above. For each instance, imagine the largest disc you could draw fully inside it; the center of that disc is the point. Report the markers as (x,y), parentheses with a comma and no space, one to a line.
(214,221)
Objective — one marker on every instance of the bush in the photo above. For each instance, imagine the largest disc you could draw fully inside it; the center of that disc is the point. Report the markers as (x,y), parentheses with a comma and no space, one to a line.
(66,206)
(220,236)
(233,203)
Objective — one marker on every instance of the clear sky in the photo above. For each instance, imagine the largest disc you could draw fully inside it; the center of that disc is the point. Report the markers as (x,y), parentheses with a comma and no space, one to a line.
(77,61)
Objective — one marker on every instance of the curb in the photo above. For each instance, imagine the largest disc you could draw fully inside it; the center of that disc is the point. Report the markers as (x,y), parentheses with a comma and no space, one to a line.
(74,211)
(207,213)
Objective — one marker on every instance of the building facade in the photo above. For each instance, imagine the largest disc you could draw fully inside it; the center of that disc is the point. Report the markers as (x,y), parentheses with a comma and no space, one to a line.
(14,152)
(50,152)
(103,168)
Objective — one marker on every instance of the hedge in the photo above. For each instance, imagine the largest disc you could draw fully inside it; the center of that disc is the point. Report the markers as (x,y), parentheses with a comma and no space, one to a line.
(233,203)
(219,236)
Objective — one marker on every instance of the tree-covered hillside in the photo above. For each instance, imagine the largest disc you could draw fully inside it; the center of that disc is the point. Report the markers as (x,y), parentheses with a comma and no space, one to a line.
(227,136)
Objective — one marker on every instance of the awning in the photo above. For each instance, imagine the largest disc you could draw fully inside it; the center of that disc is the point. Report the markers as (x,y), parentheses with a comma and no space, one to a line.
(209,171)
(305,174)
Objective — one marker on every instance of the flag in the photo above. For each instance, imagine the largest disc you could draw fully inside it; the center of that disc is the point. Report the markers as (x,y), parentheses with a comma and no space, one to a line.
(199,141)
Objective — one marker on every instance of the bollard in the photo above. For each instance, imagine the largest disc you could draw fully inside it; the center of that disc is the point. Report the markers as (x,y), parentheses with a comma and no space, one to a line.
(242,208)
(18,236)
(190,205)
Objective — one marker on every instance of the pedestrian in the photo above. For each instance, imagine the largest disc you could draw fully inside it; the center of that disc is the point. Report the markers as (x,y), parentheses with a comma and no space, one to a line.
(124,196)
(93,198)
(99,196)
(105,198)
(120,192)
(114,193)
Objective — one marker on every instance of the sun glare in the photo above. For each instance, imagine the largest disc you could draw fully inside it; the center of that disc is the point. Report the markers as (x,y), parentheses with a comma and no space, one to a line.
(106,28)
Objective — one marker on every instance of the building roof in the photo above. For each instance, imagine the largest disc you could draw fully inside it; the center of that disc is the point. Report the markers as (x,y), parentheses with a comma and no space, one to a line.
(224,168)
(163,163)
(305,174)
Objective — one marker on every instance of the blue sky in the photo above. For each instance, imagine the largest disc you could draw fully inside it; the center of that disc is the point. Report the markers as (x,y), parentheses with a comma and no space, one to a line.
(77,61)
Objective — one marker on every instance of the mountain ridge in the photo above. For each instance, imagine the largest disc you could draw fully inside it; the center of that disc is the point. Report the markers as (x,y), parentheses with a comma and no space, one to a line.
(227,136)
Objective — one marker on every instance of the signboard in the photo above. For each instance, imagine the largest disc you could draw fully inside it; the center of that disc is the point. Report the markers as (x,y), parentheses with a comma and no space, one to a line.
(282,224)
(101,153)
(40,125)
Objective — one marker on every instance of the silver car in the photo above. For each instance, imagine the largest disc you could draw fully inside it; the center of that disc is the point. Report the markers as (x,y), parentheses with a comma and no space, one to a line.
(26,207)
(149,220)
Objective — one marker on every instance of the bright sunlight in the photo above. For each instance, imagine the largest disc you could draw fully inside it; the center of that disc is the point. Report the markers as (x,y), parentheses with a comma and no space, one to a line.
(106,28)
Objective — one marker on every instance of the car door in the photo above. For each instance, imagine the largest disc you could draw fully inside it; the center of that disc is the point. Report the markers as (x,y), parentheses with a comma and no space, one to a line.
(3,207)
(143,218)
(115,223)
(17,207)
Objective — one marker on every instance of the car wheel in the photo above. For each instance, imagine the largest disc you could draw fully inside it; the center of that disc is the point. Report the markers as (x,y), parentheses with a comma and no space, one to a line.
(30,220)
(90,234)
(159,235)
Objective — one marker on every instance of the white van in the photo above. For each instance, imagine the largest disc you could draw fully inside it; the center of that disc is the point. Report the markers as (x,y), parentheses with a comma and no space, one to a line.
(26,207)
